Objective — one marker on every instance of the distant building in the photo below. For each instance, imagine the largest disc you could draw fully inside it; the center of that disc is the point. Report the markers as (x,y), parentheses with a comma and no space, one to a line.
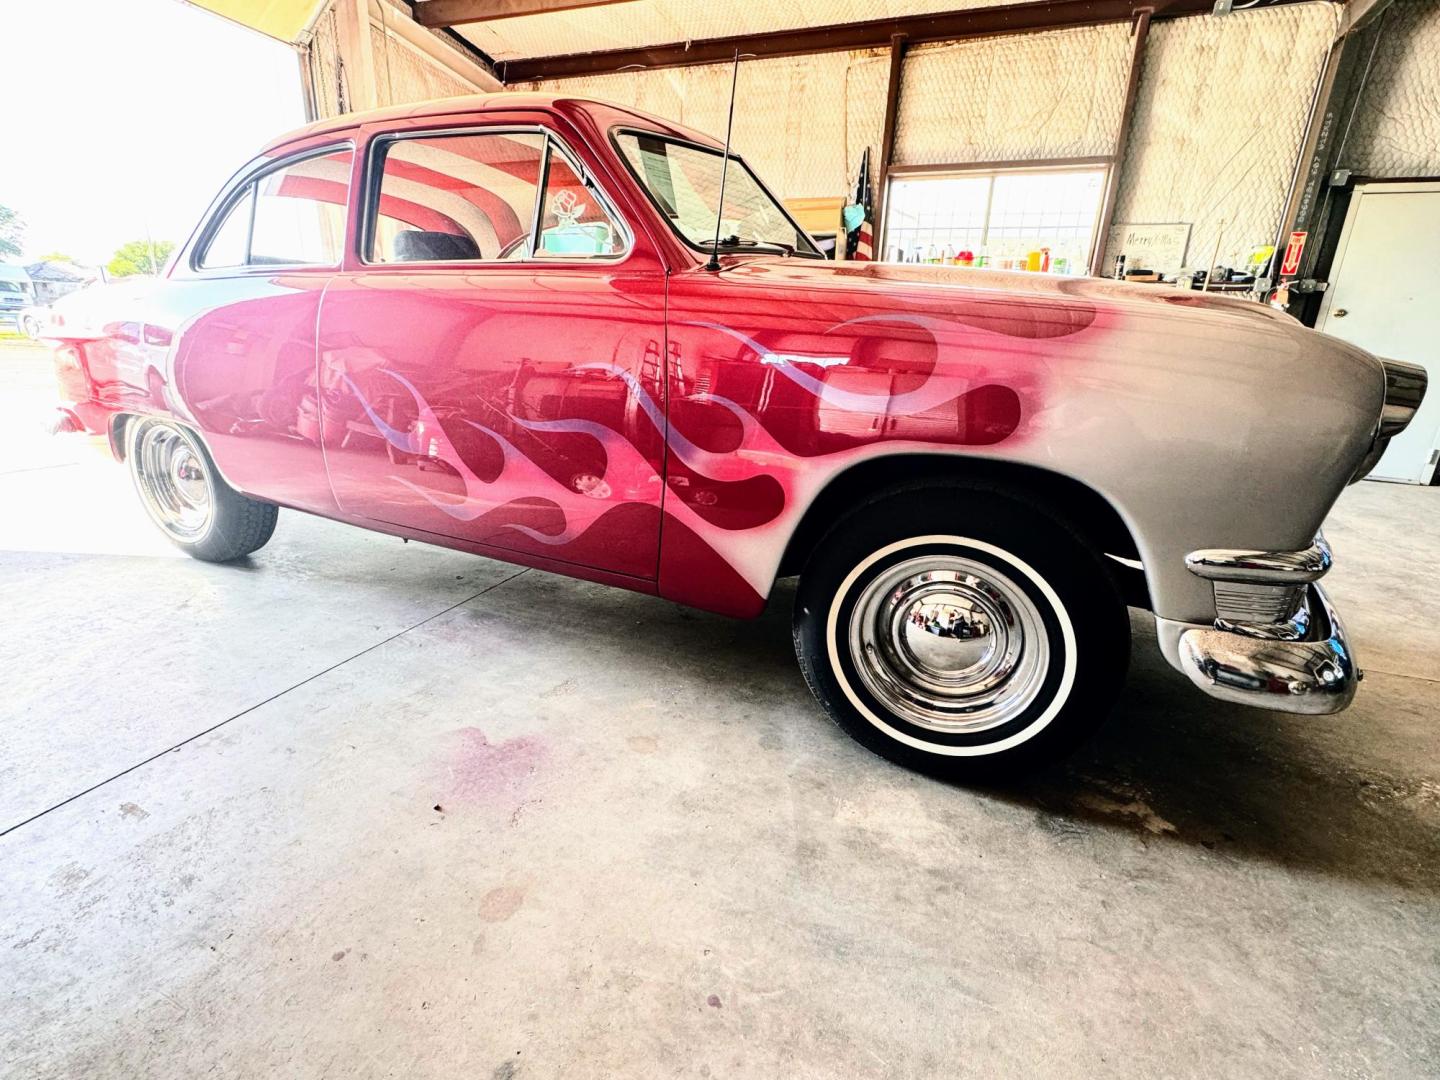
(54,278)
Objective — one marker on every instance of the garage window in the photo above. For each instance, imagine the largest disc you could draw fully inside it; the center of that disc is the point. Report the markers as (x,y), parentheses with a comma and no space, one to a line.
(293,215)
(1001,217)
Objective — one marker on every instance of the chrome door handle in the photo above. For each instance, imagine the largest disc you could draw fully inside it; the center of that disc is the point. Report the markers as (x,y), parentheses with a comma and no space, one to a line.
(1340,313)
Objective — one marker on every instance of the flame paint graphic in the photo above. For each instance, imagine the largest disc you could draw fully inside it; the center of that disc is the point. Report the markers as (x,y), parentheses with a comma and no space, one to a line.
(936,391)
(627,471)
(628,477)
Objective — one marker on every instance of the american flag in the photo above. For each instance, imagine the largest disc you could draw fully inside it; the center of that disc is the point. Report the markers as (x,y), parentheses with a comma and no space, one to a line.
(860,241)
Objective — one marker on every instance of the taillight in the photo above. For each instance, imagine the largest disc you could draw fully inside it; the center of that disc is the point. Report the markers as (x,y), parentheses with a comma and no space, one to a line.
(70,373)
(68,356)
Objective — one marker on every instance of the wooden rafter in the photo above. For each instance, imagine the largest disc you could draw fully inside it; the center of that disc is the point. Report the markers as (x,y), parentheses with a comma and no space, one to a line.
(443,13)
(874,34)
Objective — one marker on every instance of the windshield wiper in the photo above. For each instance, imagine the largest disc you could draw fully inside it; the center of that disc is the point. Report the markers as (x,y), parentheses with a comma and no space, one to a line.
(787,250)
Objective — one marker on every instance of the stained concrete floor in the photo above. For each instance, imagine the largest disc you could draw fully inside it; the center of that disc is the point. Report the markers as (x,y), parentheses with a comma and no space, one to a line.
(358,809)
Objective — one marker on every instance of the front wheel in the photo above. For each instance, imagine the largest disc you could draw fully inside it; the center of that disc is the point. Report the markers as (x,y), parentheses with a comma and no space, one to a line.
(185,495)
(960,632)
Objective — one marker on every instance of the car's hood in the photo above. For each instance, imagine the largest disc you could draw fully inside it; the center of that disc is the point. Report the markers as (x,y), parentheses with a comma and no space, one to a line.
(928,280)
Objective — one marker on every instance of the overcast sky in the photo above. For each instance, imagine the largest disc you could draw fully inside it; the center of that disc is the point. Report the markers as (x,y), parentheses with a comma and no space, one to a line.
(127,115)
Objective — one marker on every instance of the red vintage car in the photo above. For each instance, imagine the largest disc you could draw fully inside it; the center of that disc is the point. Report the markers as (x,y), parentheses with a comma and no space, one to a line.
(494,324)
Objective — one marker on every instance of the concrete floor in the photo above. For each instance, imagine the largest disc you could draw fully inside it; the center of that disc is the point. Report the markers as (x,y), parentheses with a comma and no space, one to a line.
(358,809)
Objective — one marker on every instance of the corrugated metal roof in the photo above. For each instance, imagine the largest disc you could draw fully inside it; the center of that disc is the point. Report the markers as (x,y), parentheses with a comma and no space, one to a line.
(641,23)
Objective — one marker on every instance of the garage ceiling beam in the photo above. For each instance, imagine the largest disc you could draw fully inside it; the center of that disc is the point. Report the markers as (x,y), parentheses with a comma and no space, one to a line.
(887,140)
(438,14)
(875,34)
(1139,37)
(1360,14)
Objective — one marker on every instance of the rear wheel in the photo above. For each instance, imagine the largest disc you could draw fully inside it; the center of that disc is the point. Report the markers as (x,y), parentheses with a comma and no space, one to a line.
(185,495)
(958,631)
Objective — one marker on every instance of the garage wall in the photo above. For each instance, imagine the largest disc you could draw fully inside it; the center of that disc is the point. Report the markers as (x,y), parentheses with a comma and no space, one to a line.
(330,96)
(804,122)
(365,53)
(801,122)
(1396,130)
(1220,109)
(1219,117)
(1030,96)
(1220,112)
(404,73)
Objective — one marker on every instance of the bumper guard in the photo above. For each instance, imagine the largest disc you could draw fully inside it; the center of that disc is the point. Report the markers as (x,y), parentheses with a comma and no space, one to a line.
(1314,676)
(1300,663)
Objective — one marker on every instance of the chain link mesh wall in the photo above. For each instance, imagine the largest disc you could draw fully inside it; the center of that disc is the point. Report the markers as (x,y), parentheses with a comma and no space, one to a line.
(1218,122)
(1219,115)
(1396,131)
(801,122)
(327,71)
(1025,96)
(403,73)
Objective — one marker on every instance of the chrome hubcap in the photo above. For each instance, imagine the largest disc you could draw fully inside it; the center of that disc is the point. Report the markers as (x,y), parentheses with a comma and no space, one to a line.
(171,475)
(949,644)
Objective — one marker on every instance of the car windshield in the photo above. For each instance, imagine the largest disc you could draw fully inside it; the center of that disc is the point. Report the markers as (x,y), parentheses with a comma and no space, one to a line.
(683,179)
(11,286)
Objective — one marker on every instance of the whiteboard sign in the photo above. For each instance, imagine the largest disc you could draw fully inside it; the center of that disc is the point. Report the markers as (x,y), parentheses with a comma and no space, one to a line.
(1152,247)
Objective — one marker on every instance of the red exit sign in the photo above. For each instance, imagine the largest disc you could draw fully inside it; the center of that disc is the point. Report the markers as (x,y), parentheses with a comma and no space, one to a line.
(1293,251)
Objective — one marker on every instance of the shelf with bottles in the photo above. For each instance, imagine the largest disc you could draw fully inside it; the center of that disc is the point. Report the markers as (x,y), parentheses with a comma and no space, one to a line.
(1065,256)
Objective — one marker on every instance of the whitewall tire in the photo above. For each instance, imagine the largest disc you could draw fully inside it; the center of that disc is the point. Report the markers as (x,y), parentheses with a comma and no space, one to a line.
(956,630)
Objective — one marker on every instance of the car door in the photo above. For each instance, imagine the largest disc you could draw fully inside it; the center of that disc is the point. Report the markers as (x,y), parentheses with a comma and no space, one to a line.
(492,359)
(228,341)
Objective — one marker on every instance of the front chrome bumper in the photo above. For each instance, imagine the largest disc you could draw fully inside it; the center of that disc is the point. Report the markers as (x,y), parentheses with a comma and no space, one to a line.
(1314,674)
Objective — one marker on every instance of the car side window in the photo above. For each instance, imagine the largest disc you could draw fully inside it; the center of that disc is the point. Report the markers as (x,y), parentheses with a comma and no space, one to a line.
(480,197)
(228,244)
(293,215)
(574,222)
(456,198)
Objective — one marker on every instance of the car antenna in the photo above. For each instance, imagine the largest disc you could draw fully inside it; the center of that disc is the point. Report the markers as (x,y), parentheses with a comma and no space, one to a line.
(714,263)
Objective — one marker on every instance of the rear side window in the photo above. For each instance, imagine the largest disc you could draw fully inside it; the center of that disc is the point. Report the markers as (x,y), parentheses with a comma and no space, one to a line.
(229,243)
(483,197)
(290,216)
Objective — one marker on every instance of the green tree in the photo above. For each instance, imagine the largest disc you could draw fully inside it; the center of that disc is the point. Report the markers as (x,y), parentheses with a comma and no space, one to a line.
(11,229)
(55,256)
(140,257)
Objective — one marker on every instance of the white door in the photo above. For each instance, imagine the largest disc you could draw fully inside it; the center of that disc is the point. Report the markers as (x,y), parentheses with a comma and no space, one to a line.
(1385,297)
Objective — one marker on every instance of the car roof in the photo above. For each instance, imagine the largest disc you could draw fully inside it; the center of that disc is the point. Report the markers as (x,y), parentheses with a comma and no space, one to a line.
(480,103)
